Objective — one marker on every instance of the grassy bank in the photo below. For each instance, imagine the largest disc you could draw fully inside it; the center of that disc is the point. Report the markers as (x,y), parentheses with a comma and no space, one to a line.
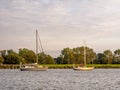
(59,66)
(62,66)
(105,65)
(68,66)
(9,66)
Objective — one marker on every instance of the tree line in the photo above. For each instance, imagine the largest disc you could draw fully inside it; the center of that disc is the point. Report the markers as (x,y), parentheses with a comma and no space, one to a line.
(76,56)
(67,56)
(24,56)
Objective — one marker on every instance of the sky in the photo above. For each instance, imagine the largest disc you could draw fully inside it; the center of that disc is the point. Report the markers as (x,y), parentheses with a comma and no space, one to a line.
(60,23)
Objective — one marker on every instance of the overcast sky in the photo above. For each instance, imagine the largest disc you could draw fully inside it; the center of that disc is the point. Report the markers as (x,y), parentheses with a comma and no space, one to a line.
(61,24)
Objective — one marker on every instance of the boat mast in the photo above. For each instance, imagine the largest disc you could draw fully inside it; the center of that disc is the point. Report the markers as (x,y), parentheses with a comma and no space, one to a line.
(40,44)
(36,47)
(84,53)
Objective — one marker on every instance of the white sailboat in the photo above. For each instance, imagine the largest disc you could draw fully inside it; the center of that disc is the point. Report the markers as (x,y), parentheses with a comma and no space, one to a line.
(34,66)
(83,68)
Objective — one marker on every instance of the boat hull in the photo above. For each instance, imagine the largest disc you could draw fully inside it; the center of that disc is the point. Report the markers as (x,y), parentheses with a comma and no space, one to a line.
(34,69)
(83,68)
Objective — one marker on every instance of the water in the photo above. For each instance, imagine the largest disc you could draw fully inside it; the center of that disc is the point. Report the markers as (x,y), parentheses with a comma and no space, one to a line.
(60,79)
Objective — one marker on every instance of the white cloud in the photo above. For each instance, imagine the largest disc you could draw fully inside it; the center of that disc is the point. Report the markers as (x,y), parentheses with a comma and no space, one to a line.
(61,23)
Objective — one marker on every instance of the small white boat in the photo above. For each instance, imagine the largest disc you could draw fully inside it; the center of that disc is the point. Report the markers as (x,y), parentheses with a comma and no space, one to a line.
(32,67)
(83,68)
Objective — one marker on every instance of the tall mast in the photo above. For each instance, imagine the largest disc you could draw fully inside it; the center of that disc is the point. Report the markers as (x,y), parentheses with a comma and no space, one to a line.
(36,46)
(84,53)
(40,44)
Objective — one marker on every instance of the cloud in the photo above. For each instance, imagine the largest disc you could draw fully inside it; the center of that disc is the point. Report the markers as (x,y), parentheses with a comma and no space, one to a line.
(61,23)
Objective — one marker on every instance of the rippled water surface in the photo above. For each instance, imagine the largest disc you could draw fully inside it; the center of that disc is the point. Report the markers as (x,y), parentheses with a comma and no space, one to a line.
(60,79)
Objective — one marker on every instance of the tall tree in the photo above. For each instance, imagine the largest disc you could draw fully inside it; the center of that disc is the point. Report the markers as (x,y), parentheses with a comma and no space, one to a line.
(78,55)
(11,58)
(1,60)
(100,59)
(27,55)
(117,56)
(45,59)
(67,56)
(58,60)
(108,56)
(3,53)
(1,57)
(90,55)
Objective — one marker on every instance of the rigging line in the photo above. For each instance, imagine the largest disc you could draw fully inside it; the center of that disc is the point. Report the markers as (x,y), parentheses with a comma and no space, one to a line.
(39,49)
(40,44)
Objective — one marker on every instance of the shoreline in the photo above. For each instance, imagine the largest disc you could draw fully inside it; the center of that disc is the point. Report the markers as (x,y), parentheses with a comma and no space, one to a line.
(64,66)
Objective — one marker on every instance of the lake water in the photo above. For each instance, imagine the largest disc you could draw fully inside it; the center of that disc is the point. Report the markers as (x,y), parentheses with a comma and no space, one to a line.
(60,79)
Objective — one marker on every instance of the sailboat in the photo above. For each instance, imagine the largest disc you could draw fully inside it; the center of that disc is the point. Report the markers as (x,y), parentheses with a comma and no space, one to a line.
(83,68)
(34,66)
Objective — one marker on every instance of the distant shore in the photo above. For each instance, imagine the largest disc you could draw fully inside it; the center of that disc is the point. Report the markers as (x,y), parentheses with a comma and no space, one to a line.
(62,66)
(69,66)
(9,66)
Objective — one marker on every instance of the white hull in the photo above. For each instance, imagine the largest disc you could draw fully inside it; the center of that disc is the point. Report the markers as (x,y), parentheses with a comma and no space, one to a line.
(34,69)
(83,68)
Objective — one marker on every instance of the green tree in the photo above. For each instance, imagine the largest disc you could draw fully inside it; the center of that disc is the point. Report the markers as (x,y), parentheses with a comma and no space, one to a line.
(108,56)
(58,60)
(45,59)
(67,56)
(100,59)
(49,60)
(78,55)
(11,58)
(117,56)
(1,60)
(3,53)
(90,55)
(28,56)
